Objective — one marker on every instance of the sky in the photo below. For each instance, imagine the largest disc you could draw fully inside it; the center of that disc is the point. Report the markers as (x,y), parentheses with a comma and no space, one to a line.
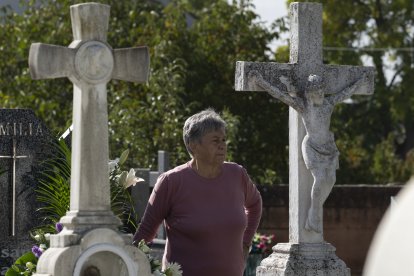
(269,10)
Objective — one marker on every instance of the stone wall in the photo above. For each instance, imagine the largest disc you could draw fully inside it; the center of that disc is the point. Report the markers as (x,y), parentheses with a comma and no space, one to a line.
(351,216)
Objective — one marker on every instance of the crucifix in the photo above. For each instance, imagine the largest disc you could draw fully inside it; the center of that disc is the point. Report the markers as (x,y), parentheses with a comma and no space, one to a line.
(90,63)
(14,157)
(311,89)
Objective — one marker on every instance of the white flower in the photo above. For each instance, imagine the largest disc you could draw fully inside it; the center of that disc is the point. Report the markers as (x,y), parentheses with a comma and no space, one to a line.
(173,269)
(131,179)
(144,247)
(30,265)
(42,247)
(112,164)
(47,236)
(158,273)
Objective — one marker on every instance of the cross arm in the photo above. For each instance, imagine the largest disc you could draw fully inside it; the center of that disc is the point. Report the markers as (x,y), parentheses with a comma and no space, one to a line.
(50,61)
(340,77)
(274,78)
(131,64)
(273,73)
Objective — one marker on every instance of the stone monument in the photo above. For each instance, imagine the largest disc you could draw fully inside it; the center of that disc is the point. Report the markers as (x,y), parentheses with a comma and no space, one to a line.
(391,251)
(311,89)
(90,243)
(25,142)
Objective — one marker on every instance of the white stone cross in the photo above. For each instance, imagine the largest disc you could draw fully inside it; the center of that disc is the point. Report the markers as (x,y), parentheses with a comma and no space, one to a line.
(292,83)
(89,63)
(14,157)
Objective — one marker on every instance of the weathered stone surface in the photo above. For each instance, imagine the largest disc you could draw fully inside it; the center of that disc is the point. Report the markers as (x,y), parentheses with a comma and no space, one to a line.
(25,142)
(89,242)
(305,259)
(312,90)
(103,249)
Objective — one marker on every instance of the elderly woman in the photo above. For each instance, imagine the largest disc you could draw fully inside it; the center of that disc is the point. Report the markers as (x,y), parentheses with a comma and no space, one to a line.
(211,207)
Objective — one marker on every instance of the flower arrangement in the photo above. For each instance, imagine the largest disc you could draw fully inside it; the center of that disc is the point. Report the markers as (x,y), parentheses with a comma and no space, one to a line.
(173,269)
(262,244)
(26,264)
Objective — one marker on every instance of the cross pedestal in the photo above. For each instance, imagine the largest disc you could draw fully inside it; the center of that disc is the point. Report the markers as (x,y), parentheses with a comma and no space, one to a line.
(90,63)
(306,253)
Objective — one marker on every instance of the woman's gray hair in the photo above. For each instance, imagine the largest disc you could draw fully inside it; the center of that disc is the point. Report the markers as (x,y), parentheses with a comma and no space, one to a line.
(196,126)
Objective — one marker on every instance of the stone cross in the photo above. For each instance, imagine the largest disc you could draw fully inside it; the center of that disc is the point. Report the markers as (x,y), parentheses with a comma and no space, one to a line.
(90,243)
(89,62)
(311,89)
(14,157)
(305,60)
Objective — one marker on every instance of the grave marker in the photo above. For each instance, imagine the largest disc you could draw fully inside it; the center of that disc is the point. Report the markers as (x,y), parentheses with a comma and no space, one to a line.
(89,240)
(24,143)
(309,114)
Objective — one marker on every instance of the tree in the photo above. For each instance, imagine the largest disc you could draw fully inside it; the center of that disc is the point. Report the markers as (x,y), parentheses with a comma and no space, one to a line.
(192,67)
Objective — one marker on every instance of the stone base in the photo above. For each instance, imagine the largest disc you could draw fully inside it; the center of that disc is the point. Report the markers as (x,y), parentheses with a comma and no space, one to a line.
(308,259)
(100,252)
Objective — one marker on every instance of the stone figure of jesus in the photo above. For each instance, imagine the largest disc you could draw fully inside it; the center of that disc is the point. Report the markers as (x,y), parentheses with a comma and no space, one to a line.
(319,150)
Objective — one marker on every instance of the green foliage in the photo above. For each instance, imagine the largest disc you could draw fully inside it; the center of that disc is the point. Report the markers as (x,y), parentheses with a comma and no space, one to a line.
(192,68)
(121,200)
(25,265)
(53,190)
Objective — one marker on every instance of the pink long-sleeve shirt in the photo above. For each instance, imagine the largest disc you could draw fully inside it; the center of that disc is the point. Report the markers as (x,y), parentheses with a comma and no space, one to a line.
(207,220)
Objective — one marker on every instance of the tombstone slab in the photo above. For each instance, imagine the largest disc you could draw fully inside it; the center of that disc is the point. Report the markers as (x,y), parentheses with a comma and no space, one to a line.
(25,142)
(89,243)
(391,250)
(311,89)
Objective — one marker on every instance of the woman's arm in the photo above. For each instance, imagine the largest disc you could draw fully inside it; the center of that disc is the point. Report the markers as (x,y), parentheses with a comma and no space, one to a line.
(253,209)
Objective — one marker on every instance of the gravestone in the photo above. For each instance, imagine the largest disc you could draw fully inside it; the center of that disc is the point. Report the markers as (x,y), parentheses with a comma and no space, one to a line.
(90,240)
(311,89)
(24,143)
(391,250)
(140,195)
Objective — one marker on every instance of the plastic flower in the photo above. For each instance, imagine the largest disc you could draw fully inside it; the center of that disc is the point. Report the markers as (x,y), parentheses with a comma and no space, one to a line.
(143,247)
(113,164)
(30,265)
(37,251)
(58,227)
(158,273)
(173,269)
(262,244)
(131,179)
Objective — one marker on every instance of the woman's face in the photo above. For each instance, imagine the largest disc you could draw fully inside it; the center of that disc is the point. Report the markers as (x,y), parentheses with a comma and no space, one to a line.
(212,148)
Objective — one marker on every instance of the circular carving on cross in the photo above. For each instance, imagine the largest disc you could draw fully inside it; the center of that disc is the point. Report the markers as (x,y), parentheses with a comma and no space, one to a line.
(94,62)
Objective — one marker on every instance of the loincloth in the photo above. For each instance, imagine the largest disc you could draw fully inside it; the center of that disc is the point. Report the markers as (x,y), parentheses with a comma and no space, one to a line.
(320,155)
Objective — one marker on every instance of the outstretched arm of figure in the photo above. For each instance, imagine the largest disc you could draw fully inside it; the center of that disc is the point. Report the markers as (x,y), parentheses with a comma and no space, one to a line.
(348,91)
(275,92)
